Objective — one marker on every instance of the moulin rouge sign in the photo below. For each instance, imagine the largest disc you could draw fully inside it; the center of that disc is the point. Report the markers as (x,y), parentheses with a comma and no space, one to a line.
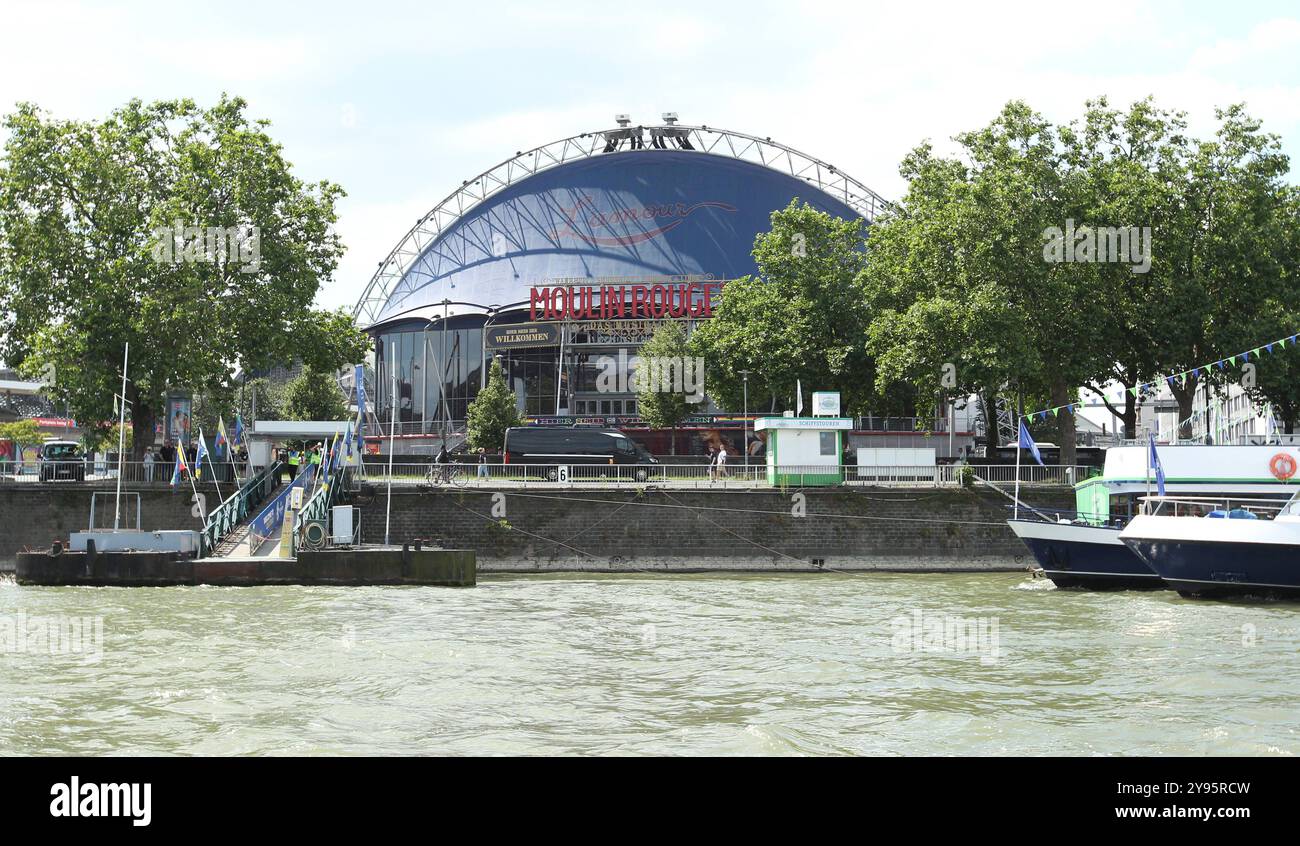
(601,302)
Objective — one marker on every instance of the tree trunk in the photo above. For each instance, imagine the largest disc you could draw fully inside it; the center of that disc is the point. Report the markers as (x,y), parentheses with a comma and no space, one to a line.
(1184,393)
(989,407)
(142,422)
(1065,422)
(1130,416)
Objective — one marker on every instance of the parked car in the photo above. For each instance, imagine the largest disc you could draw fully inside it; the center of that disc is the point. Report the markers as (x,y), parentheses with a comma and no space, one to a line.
(61,460)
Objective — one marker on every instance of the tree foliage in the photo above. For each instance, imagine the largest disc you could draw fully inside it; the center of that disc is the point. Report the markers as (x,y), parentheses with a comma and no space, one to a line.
(178,229)
(494,410)
(959,273)
(314,395)
(801,320)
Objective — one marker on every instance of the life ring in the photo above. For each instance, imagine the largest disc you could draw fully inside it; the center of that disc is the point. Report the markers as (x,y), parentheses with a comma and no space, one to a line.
(1282,466)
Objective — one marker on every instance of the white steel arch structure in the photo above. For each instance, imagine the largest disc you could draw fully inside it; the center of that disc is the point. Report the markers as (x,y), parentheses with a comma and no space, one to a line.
(705,140)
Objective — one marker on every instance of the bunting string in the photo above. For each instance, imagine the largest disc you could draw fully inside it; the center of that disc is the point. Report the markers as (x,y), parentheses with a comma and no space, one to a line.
(1181,378)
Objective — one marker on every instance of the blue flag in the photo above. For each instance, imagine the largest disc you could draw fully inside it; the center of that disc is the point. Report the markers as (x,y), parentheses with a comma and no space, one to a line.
(1154,463)
(239,429)
(199,455)
(347,440)
(359,377)
(1026,442)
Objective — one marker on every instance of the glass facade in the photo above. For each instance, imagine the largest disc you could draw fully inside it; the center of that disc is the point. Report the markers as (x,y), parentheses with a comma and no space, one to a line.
(596,380)
(427,356)
(431,364)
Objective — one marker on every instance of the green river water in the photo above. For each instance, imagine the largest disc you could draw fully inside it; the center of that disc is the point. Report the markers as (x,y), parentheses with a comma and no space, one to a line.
(946,664)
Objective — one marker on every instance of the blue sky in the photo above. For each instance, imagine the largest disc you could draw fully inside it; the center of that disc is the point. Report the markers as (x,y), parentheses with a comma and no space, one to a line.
(400,102)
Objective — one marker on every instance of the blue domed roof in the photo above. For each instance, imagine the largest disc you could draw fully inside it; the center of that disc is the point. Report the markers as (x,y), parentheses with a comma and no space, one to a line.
(635,214)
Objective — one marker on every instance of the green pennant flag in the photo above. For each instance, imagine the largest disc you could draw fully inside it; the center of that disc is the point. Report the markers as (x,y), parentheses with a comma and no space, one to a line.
(1055,410)
(1134,390)
(1257,352)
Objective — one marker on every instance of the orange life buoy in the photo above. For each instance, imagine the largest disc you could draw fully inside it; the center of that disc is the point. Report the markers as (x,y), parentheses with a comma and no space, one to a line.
(1282,466)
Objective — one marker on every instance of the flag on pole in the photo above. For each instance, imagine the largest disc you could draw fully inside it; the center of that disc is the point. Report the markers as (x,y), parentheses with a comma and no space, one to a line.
(179,466)
(798,399)
(1154,464)
(201,454)
(359,378)
(221,443)
(1027,442)
(239,428)
(347,440)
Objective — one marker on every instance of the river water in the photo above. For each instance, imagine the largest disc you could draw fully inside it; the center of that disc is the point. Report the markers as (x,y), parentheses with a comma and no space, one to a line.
(943,664)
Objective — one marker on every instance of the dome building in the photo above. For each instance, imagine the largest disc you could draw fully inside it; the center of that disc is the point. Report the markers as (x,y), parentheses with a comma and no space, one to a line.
(573,251)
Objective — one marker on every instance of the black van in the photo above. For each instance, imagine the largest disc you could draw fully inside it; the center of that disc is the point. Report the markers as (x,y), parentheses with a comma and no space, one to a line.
(552,447)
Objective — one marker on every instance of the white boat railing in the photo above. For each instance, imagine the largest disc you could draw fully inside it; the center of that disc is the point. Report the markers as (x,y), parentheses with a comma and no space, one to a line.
(1205,506)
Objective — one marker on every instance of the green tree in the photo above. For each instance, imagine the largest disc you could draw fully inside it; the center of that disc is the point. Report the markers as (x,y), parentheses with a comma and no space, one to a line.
(179,230)
(494,410)
(1229,253)
(105,438)
(961,296)
(801,320)
(665,365)
(314,395)
(1276,378)
(24,434)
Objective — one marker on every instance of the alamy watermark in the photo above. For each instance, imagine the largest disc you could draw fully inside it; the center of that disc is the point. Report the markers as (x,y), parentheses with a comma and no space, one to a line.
(53,635)
(674,374)
(1129,245)
(947,633)
(181,244)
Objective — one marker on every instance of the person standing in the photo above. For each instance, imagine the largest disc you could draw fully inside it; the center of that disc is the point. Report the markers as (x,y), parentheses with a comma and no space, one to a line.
(148,465)
(482,463)
(722,461)
(294,459)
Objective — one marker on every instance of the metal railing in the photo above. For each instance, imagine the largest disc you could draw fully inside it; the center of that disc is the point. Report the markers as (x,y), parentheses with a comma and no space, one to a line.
(702,475)
(317,506)
(134,472)
(1217,506)
(237,508)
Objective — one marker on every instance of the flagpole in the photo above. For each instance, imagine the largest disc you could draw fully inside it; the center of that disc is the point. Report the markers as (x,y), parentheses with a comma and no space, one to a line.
(121,441)
(392,431)
(230,456)
(208,454)
(189,471)
(1015,508)
(1146,506)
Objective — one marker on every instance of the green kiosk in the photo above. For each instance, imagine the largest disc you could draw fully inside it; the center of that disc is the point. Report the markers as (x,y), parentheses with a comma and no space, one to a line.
(804,451)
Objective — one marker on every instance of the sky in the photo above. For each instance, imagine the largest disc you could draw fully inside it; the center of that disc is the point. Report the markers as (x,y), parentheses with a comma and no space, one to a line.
(399,103)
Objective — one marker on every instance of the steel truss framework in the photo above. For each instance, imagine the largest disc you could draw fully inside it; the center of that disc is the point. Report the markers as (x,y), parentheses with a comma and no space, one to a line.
(701,139)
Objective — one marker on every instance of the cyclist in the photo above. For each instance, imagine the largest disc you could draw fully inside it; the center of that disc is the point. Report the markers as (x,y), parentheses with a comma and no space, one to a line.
(442,460)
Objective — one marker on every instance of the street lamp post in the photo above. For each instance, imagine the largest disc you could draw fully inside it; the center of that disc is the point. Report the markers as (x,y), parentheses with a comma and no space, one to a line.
(745,445)
(483,366)
(442,375)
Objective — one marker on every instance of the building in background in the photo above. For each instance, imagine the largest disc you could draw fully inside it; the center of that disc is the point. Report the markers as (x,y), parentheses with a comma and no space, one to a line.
(568,256)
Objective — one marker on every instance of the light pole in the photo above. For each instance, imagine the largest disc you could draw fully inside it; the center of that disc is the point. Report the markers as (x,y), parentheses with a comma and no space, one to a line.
(492,311)
(745,445)
(442,374)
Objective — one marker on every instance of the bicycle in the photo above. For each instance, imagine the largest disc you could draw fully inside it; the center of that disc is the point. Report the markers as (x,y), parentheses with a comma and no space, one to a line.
(451,473)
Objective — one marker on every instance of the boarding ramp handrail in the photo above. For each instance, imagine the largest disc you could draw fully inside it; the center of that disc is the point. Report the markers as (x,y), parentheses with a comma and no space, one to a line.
(237,507)
(317,506)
